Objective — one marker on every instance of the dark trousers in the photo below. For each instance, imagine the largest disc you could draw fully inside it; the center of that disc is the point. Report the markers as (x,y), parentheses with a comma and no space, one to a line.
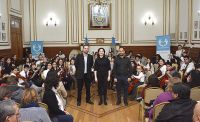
(62,118)
(134,91)
(102,84)
(122,87)
(87,81)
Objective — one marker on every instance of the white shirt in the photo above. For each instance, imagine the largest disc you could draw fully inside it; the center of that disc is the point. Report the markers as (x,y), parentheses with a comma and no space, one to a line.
(60,101)
(44,74)
(163,70)
(189,67)
(141,77)
(179,52)
(38,63)
(62,56)
(12,74)
(72,69)
(22,73)
(85,62)
(149,68)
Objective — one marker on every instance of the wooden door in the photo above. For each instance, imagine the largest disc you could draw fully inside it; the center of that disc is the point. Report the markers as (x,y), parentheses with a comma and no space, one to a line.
(16,36)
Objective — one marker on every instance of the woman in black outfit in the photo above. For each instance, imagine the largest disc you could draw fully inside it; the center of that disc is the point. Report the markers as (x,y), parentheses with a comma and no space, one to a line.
(51,97)
(102,74)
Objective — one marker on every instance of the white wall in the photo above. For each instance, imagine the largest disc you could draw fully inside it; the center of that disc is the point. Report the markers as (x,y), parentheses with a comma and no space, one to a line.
(148,32)
(196,19)
(183,19)
(51,33)
(173,16)
(4,44)
(26,22)
(16,5)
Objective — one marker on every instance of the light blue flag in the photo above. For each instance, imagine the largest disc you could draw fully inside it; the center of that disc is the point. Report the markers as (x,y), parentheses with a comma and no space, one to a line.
(113,41)
(163,43)
(36,47)
(86,40)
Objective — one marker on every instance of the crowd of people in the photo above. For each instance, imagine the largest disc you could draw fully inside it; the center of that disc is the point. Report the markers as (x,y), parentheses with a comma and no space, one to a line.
(25,83)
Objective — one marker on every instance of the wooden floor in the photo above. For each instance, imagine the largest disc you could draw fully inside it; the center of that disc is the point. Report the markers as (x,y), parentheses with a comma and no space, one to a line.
(103,113)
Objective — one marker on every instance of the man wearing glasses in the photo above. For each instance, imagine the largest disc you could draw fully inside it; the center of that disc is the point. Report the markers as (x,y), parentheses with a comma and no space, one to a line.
(9,111)
(186,67)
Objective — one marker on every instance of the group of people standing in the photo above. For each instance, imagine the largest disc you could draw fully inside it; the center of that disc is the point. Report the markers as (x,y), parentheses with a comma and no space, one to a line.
(122,71)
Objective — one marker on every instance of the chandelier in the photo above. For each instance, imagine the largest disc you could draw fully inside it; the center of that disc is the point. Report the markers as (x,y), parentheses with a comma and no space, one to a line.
(99,2)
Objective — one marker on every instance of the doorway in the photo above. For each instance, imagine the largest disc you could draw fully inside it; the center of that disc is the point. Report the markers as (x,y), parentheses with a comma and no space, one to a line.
(16,36)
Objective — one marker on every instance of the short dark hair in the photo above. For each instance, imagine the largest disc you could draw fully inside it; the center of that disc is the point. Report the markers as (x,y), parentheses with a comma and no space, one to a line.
(168,63)
(187,57)
(26,66)
(195,75)
(182,90)
(85,44)
(153,81)
(176,74)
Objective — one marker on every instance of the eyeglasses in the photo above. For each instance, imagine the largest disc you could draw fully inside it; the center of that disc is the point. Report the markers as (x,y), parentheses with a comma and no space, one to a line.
(17,115)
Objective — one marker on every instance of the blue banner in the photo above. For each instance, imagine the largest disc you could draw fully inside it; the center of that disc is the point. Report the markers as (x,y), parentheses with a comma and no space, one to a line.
(36,47)
(163,43)
(163,46)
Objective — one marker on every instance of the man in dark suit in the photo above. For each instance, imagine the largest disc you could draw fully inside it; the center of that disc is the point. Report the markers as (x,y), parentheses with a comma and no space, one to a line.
(122,71)
(83,64)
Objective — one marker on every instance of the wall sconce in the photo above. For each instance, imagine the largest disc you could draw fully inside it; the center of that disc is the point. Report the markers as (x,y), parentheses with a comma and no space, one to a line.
(0,15)
(149,19)
(51,20)
(198,12)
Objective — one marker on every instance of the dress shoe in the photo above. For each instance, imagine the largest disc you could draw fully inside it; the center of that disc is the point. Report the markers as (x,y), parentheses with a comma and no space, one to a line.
(100,102)
(118,103)
(105,103)
(126,103)
(90,102)
(78,103)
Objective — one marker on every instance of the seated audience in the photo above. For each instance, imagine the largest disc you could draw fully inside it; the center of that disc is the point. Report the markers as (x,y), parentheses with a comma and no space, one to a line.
(9,111)
(53,100)
(165,96)
(180,109)
(30,110)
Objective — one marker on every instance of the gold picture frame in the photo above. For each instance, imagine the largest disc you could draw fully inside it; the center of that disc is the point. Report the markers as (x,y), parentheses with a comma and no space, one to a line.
(99,17)
(99,40)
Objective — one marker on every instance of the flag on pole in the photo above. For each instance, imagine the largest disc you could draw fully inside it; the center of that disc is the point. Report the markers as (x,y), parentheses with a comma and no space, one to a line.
(113,41)
(86,40)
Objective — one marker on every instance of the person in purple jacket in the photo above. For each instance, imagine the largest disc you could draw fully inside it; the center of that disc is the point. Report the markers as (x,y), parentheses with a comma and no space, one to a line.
(165,96)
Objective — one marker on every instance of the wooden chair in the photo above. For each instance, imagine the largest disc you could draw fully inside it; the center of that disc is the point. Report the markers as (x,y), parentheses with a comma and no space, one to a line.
(195,93)
(150,93)
(43,105)
(139,89)
(157,109)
